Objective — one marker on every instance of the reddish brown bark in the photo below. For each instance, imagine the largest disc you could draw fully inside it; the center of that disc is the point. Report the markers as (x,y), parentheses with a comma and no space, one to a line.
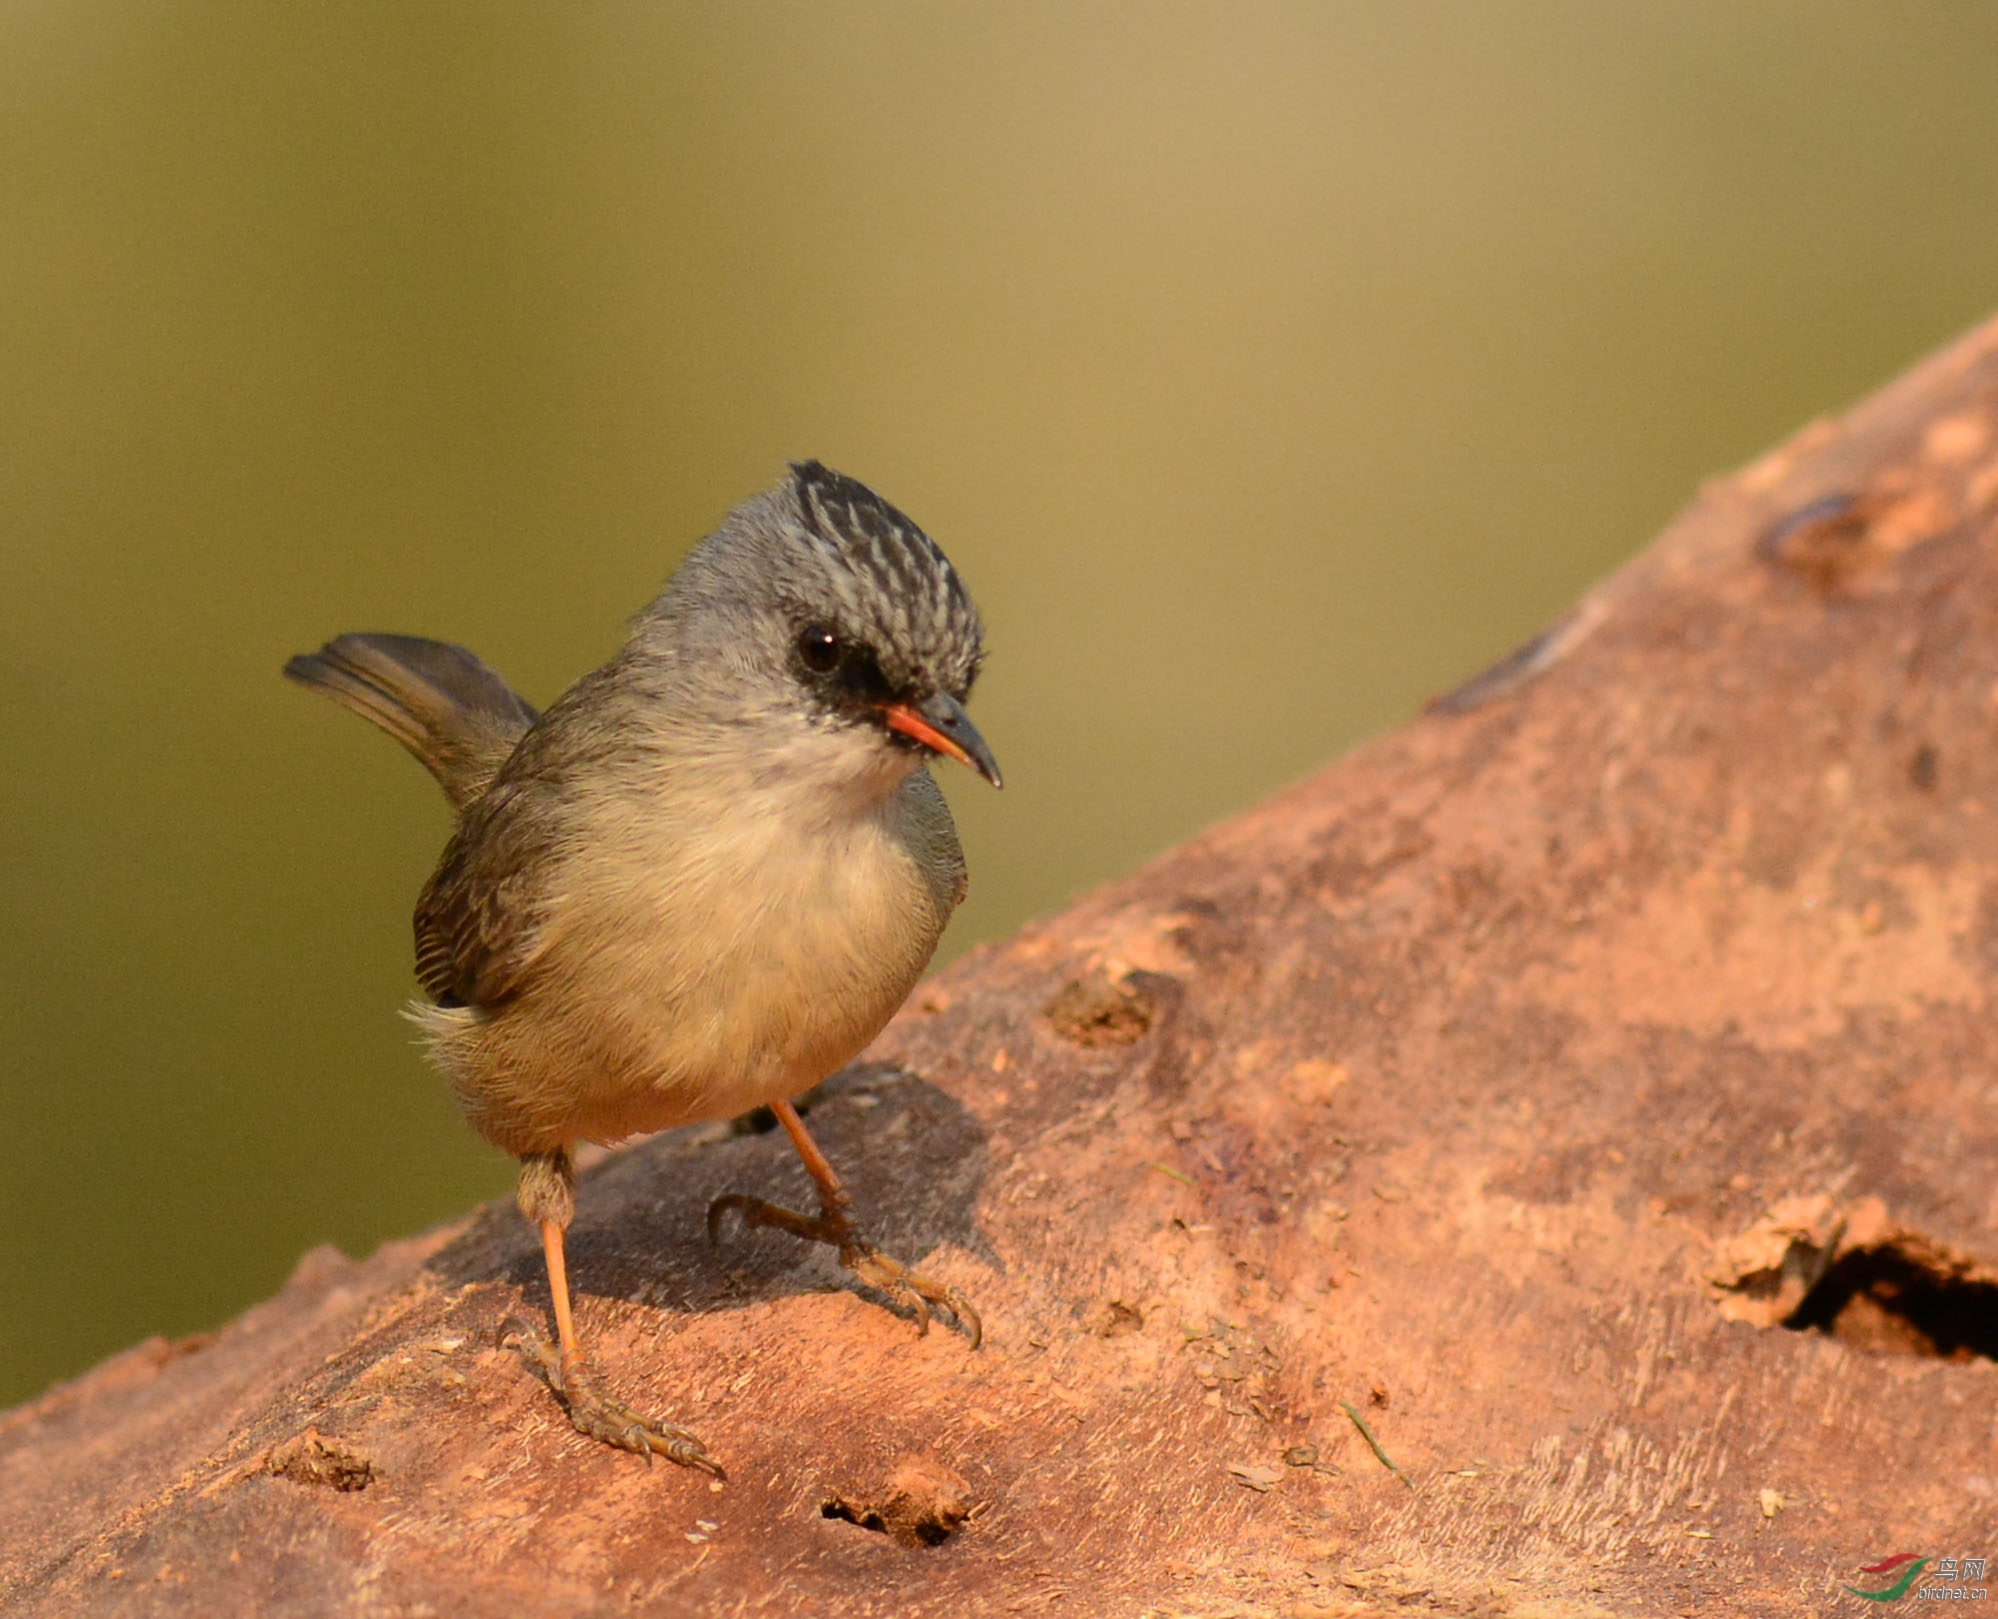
(1511,1082)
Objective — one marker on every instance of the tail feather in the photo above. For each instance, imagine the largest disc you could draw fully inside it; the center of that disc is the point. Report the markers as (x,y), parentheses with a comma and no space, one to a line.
(458,717)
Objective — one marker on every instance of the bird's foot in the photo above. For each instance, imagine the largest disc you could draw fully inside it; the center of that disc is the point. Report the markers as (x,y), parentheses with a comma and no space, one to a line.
(837,1229)
(599,1414)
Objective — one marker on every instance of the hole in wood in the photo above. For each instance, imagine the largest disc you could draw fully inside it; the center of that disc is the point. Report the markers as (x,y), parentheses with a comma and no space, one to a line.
(918,1531)
(1098,1011)
(1893,1298)
(924,1504)
(845,1511)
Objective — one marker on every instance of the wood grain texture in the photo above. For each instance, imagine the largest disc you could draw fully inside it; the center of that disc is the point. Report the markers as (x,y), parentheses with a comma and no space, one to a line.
(1493,1082)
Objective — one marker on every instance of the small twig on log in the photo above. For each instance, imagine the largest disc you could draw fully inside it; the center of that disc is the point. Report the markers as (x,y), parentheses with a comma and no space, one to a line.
(1374,1444)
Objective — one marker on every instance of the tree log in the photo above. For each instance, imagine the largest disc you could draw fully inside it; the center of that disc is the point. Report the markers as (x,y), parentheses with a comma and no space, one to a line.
(1541,1165)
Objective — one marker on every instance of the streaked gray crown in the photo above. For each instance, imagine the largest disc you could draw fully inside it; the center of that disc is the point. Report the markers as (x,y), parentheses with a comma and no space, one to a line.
(821,550)
(892,586)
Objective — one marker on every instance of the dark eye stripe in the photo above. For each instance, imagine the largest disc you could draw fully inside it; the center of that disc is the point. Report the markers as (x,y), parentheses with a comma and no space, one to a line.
(860,679)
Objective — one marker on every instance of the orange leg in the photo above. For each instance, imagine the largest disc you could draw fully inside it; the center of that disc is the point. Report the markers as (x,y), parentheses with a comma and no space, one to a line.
(558,1285)
(836,1227)
(564,1368)
(832,1190)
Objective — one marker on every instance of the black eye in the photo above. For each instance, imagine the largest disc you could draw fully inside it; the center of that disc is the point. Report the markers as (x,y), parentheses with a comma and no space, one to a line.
(820,649)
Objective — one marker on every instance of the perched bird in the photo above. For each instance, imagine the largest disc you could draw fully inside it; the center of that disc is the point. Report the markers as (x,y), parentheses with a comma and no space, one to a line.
(705,878)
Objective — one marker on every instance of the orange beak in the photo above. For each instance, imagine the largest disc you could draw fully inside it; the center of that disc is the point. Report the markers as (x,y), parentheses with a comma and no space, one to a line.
(941,725)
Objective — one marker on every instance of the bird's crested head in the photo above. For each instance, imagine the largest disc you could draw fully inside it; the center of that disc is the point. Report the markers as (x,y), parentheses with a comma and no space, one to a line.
(819,596)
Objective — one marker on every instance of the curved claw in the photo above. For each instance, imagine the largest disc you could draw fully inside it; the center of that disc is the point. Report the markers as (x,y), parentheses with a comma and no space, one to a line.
(515,1328)
(599,1415)
(877,1269)
(834,1226)
(718,1211)
(967,1317)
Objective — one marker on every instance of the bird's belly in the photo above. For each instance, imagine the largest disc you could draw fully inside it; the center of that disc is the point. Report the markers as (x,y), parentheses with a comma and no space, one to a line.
(703,1000)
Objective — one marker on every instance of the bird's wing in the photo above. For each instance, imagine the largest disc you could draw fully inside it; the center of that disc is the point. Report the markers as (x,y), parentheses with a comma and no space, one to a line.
(483,918)
(437,700)
(478,921)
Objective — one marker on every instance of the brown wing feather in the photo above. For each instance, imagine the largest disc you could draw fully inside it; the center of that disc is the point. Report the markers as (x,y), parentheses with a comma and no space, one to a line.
(437,700)
(481,920)
(477,920)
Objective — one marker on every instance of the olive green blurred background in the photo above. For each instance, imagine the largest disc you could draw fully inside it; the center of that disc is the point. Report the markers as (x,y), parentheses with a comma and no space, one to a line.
(1265,368)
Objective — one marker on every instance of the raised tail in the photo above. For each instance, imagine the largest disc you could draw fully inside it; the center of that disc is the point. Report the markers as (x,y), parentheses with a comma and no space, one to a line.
(437,700)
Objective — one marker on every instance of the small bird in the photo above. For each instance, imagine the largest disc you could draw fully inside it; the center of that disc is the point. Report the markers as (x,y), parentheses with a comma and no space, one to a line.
(704,879)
